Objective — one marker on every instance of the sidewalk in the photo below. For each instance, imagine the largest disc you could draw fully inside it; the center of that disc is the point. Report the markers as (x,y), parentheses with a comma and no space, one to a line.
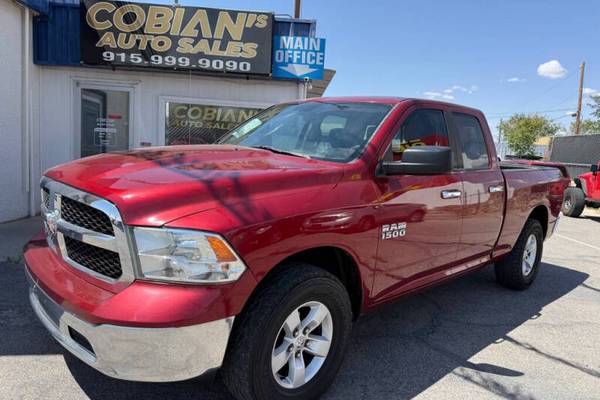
(14,235)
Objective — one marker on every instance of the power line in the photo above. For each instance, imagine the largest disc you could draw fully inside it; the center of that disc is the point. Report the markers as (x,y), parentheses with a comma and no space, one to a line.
(551,88)
(563,116)
(530,112)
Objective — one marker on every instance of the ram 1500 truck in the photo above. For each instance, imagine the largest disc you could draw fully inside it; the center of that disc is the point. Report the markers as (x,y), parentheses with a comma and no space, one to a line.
(257,253)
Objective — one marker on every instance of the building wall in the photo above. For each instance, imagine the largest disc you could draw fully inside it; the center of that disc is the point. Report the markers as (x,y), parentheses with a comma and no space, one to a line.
(577,152)
(13,173)
(42,129)
(56,119)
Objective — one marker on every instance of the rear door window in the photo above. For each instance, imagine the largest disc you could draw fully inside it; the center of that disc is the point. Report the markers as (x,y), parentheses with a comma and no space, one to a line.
(473,152)
(423,127)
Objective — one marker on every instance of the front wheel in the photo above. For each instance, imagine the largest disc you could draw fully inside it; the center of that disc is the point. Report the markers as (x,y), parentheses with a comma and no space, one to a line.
(290,342)
(520,267)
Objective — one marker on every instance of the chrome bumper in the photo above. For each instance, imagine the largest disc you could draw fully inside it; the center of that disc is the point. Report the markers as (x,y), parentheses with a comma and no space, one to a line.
(132,353)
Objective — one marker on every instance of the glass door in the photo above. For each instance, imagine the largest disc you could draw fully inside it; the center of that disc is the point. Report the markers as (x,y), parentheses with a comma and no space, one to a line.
(104,121)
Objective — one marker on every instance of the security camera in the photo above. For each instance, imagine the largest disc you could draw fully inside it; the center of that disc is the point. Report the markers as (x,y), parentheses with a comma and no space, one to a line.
(306,79)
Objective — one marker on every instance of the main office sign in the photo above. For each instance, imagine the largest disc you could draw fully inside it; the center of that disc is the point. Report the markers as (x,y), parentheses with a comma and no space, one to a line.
(298,57)
(175,37)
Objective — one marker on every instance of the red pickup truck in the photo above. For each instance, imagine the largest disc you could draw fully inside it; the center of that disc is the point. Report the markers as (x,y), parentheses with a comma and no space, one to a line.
(257,253)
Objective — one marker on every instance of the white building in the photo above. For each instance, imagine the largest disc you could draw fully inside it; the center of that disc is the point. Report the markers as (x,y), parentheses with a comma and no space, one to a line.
(52,113)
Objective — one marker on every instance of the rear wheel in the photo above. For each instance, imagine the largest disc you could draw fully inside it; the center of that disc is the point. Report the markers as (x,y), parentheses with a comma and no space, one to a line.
(290,342)
(574,202)
(520,267)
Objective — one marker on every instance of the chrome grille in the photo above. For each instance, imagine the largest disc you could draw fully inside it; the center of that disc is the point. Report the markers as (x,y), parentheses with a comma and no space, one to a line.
(46,198)
(87,232)
(102,261)
(83,215)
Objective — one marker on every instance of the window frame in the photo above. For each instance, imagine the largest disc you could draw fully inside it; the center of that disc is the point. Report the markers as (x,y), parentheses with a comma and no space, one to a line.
(451,140)
(361,153)
(455,132)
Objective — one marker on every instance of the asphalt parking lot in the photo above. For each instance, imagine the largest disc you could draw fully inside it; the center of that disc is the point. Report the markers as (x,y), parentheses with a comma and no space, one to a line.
(466,339)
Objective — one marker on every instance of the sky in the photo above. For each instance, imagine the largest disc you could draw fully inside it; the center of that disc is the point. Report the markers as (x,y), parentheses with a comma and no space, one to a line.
(501,56)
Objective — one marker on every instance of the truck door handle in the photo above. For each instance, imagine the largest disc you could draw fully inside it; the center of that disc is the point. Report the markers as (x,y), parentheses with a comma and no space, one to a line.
(451,194)
(496,189)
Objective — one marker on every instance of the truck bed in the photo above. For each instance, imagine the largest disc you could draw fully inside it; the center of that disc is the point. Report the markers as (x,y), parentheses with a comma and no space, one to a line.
(521,196)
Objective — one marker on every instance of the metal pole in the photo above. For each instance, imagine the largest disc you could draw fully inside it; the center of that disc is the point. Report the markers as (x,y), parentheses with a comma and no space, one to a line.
(579,101)
(297,5)
(500,132)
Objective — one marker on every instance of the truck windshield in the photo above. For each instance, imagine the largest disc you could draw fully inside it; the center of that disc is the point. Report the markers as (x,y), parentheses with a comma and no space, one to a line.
(327,131)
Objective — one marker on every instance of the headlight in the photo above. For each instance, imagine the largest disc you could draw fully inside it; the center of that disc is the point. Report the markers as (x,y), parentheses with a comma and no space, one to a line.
(186,256)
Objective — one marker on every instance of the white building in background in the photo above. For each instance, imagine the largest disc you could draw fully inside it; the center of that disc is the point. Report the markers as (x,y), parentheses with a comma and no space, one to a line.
(52,111)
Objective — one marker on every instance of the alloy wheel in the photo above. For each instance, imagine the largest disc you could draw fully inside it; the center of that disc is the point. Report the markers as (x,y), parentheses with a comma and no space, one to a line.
(302,345)
(529,255)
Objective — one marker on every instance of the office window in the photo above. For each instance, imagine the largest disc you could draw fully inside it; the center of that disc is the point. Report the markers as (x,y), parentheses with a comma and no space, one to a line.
(202,124)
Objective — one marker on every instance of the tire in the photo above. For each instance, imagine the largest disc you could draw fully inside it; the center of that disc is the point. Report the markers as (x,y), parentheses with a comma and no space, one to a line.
(574,202)
(258,332)
(512,271)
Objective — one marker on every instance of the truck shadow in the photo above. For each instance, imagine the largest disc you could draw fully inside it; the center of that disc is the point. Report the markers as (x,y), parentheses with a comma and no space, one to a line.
(398,351)
(592,218)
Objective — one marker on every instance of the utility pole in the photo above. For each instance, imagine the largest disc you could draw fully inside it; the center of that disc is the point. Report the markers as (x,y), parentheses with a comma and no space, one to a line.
(500,132)
(578,116)
(297,5)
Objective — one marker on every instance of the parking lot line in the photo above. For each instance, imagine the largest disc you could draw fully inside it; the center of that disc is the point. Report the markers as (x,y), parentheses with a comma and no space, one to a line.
(578,241)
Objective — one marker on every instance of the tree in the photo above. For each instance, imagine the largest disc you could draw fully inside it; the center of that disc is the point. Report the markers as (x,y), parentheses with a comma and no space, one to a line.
(595,104)
(591,125)
(521,131)
(588,126)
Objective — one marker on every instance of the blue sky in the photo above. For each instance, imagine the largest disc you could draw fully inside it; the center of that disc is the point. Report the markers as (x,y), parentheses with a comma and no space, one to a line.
(483,54)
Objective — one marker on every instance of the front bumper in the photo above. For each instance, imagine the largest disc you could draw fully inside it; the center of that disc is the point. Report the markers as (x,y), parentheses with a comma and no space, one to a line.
(135,353)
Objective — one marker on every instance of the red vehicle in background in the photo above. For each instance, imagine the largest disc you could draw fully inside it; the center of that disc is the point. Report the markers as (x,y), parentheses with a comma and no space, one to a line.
(257,253)
(585,193)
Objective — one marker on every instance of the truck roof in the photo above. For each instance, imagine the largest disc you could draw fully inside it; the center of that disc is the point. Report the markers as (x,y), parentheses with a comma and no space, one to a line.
(389,100)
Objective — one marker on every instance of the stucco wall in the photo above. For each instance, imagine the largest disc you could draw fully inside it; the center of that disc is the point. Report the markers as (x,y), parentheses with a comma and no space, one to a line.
(57,120)
(54,110)
(13,190)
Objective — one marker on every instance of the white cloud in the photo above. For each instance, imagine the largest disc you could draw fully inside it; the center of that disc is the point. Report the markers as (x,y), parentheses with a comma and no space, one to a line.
(448,94)
(432,94)
(551,70)
(516,79)
(464,89)
(438,95)
(590,92)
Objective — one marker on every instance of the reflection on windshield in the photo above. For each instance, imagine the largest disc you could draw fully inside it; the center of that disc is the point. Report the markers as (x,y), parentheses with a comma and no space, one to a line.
(327,131)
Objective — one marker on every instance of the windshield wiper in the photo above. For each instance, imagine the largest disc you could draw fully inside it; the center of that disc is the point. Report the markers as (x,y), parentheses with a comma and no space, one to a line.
(288,153)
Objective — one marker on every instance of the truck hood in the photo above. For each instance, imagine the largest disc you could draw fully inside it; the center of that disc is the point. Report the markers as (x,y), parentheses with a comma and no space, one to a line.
(154,186)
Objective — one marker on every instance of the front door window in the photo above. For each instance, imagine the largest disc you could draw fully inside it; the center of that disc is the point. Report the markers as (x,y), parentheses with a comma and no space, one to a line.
(104,121)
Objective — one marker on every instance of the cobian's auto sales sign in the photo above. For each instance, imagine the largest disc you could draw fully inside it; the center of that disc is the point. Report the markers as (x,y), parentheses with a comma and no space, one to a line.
(175,37)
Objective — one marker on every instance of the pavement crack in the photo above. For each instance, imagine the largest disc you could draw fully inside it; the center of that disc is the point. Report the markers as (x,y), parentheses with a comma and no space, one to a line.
(530,347)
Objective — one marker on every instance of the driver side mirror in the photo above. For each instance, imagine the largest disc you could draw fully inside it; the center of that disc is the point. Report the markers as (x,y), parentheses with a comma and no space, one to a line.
(421,160)
(594,169)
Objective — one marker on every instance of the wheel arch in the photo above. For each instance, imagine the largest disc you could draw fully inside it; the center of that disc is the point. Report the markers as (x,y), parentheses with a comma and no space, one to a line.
(541,214)
(581,184)
(332,259)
